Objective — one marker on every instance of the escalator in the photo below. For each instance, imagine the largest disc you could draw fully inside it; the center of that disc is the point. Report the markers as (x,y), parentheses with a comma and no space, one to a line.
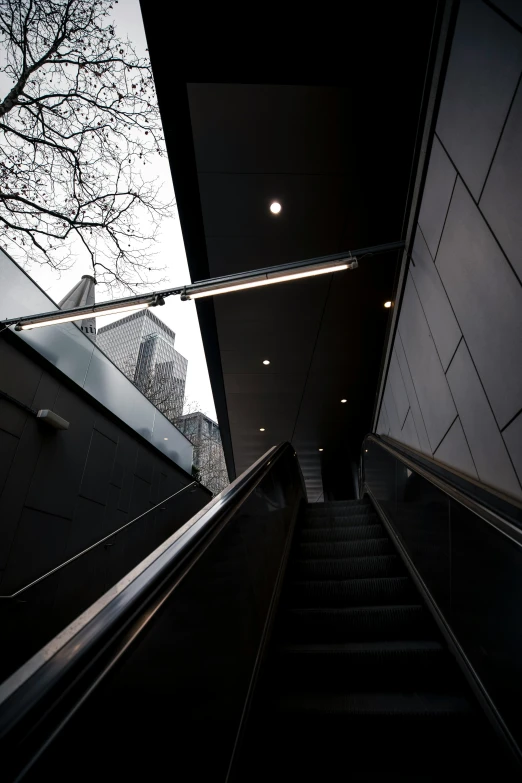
(272,639)
(358,679)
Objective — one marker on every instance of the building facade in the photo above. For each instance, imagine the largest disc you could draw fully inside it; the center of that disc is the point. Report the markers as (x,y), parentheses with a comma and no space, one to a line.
(82,295)
(142,346)
(208,458)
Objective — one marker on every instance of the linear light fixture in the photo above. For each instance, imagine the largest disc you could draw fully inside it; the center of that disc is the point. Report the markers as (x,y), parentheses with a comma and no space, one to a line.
(105,308)
(256,280)
(221,285)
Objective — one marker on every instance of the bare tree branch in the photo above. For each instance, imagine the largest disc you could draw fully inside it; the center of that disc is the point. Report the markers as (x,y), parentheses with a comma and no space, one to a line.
(77,126)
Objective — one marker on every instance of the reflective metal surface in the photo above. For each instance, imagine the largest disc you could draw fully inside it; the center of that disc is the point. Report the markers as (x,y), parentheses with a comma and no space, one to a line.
(469,556)
(71,351)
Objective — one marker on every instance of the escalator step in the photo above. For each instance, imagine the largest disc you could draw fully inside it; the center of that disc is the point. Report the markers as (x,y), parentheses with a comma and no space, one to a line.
(339,520)
(369,666)
(340,504)
(355,624)
(348,533)
(338,549)
(349,592)
(390,703)
(347,568)
(369,737)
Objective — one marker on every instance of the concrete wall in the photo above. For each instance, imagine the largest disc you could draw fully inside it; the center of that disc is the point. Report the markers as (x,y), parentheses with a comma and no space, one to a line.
(454,387)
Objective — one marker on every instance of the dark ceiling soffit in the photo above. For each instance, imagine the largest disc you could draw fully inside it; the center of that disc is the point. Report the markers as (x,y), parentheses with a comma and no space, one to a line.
(175,114)
(442,37)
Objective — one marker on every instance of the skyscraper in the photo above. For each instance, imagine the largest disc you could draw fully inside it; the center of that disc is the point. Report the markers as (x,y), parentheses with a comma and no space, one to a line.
(142,346)
(80,296)
(208,457)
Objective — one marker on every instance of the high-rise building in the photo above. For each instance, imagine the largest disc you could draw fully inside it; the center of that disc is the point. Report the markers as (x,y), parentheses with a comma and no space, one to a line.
(142,346)
(208,457)
(80,296)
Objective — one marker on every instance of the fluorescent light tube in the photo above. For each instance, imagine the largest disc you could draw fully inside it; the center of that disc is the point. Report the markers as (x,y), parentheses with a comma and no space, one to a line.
(274,277)
(81,316)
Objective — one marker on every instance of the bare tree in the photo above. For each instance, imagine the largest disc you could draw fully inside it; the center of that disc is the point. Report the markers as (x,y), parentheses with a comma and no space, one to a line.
(77,126)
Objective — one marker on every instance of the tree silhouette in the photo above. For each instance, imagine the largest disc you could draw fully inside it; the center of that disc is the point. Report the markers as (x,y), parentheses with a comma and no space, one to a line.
(77,126)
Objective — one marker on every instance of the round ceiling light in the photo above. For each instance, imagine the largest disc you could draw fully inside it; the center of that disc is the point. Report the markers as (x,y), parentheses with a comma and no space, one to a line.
(387,304)
(266,361)
(275,207)
(165,438)
(344,400)
(261,429)
(321,449)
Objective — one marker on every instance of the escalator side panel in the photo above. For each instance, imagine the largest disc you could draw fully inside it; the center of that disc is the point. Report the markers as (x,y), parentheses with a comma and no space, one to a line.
(172,705)
(472,570)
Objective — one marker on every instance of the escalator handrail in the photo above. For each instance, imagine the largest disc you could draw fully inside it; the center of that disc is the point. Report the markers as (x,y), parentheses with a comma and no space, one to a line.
(105,623)
(501,511)
(83,552)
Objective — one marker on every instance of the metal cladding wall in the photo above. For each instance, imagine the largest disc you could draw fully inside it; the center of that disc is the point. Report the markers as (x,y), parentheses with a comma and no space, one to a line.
(61,491)
(454,386)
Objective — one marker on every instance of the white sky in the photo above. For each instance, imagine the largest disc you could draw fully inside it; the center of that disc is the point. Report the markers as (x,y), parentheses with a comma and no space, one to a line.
(180,316)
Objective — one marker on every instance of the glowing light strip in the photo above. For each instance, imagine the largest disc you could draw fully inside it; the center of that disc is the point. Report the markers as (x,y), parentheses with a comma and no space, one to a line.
(266,281)
(81,316)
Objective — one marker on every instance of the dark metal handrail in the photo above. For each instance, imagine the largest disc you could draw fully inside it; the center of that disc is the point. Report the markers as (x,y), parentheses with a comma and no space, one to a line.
(97,543)
(499,510)
(100,636)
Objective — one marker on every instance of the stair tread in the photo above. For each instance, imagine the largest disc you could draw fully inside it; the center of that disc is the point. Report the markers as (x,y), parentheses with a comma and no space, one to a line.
(365,567)
(369,589)
(357,609)
(341,549)
(358,648)
(339,520)
(340,534)
(396,703)
(361,502)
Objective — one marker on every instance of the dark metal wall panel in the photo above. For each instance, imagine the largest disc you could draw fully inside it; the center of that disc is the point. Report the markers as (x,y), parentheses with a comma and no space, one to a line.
(459,339)
(425,367)
(61,491)
(483,72)
(437,309)
(440,181)
(490,455)
(454,450)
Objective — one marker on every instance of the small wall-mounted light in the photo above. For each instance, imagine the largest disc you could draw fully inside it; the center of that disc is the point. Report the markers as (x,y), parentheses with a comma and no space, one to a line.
(52,419)
(387,304)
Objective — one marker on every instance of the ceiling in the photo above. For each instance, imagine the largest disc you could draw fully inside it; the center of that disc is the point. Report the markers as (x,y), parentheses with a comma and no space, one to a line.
(330,134)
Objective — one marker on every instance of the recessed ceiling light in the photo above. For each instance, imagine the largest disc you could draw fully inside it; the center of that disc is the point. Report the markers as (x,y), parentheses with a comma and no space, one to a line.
(344,400)
(261,429)
(275,207)
(387,304)
(165,438)
(321,449)
(266,361)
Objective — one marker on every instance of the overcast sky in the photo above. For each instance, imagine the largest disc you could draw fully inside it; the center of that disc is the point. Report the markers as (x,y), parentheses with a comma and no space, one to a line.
(180,316)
